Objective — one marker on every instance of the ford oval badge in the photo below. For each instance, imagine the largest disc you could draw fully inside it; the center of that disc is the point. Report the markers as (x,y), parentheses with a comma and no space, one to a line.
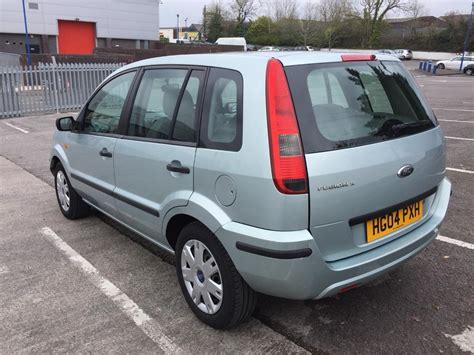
(405,171)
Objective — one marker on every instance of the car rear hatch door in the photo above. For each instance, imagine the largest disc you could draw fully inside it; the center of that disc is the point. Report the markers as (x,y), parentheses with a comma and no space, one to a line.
(374,153)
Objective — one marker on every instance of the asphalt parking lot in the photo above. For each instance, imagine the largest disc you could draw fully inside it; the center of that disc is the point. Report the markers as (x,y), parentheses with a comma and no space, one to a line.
(91,286)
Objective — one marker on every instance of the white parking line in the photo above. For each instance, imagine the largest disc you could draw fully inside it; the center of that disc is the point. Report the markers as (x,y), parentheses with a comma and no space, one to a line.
(460,139)
(456,121)
(452,109)
(455,242)
(16,127)
(142,320)
(461,170)
(465,340)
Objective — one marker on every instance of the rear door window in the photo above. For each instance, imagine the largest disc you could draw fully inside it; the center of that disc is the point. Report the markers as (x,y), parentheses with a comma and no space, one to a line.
(342,105)
(155,103)
(185,125)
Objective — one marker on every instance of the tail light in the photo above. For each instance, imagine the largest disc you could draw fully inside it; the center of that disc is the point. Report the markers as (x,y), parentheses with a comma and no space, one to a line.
(286,152)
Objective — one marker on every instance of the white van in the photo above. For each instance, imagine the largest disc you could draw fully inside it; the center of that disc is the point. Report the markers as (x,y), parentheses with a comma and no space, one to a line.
(232,41)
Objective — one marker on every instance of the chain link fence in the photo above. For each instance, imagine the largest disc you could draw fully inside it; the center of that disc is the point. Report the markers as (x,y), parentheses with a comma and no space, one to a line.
(49,88)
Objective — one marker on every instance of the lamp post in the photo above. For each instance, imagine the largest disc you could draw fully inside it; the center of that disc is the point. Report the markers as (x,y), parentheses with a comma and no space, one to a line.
(468,32)
(27,36)
(177,27)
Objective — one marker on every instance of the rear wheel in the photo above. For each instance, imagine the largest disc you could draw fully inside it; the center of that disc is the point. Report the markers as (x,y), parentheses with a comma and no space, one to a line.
(468,71)
(210,283)
(71,204)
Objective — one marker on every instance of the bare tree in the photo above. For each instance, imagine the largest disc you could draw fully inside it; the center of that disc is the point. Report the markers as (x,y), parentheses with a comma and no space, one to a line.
(415,9)
(334,10)
(284,9)
(308,25)
(243,10)
(374,12)
(333,13)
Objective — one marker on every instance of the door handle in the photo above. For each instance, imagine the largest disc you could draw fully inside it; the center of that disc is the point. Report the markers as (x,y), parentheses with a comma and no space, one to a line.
(176,167)
(105,153)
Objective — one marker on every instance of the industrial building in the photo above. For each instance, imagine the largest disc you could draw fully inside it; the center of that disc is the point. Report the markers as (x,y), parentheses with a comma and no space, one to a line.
(77,26)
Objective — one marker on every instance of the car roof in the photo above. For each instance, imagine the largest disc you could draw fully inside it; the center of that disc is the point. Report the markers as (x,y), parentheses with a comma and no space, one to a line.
(238,60)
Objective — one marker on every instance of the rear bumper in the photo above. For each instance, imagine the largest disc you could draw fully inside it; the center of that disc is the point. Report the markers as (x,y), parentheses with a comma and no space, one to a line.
(289,264)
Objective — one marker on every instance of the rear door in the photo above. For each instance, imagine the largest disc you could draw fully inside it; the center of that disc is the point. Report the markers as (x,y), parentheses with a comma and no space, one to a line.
(154,159)
(371,146)
(91,149)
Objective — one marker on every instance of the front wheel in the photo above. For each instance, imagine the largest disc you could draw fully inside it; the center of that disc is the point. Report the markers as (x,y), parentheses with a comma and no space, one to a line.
(211,285)
(71,204)
(441,66)
(469,71)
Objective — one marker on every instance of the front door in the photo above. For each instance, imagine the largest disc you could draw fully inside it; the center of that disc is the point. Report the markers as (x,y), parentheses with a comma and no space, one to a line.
(454,63)
(91,149)
(154,160)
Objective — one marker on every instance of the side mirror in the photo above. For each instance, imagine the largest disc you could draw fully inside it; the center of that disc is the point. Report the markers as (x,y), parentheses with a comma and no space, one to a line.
(65,124)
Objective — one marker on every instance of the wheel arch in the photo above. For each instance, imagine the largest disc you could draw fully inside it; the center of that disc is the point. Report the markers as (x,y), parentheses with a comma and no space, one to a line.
(211,216)
(58,155)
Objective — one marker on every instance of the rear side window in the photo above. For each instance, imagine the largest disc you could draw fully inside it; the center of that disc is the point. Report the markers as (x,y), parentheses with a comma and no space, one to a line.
(341,105)
(221,126)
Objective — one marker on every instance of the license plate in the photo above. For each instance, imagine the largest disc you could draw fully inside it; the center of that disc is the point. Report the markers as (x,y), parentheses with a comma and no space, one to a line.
(381,226)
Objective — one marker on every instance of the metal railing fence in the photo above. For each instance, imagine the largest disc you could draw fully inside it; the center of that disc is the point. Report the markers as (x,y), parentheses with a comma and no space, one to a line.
(48,88)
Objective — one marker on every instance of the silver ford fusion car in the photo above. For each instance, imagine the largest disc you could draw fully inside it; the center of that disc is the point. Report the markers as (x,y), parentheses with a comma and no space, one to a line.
(297,175)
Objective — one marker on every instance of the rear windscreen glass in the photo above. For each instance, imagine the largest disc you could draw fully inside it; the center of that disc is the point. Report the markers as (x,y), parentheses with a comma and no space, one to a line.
(341,105)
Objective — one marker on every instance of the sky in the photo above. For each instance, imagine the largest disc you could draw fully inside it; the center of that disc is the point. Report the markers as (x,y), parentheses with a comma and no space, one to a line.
(192,9)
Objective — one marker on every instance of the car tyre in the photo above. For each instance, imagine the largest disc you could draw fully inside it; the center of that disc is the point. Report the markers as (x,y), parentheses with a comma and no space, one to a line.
(70,203)
(468,71)
(441,66)
(216,293)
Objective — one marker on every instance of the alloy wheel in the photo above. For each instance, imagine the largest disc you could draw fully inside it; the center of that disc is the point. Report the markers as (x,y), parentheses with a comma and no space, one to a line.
(62,189)
(201,276)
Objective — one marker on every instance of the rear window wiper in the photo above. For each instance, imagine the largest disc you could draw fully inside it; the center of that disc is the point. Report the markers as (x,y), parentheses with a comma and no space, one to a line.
(396,128)
(391,129)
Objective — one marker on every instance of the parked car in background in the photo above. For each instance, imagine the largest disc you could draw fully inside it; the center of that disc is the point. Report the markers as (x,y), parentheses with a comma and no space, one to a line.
(269,49)
(455,63)
(404,54)
(390,52)
(297,175)
(304,48)
(180,41)
(469,69)
(232,41)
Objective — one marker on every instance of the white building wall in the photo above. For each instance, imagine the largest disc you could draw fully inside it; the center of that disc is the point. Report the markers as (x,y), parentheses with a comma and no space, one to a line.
(167,32)
(124,19)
